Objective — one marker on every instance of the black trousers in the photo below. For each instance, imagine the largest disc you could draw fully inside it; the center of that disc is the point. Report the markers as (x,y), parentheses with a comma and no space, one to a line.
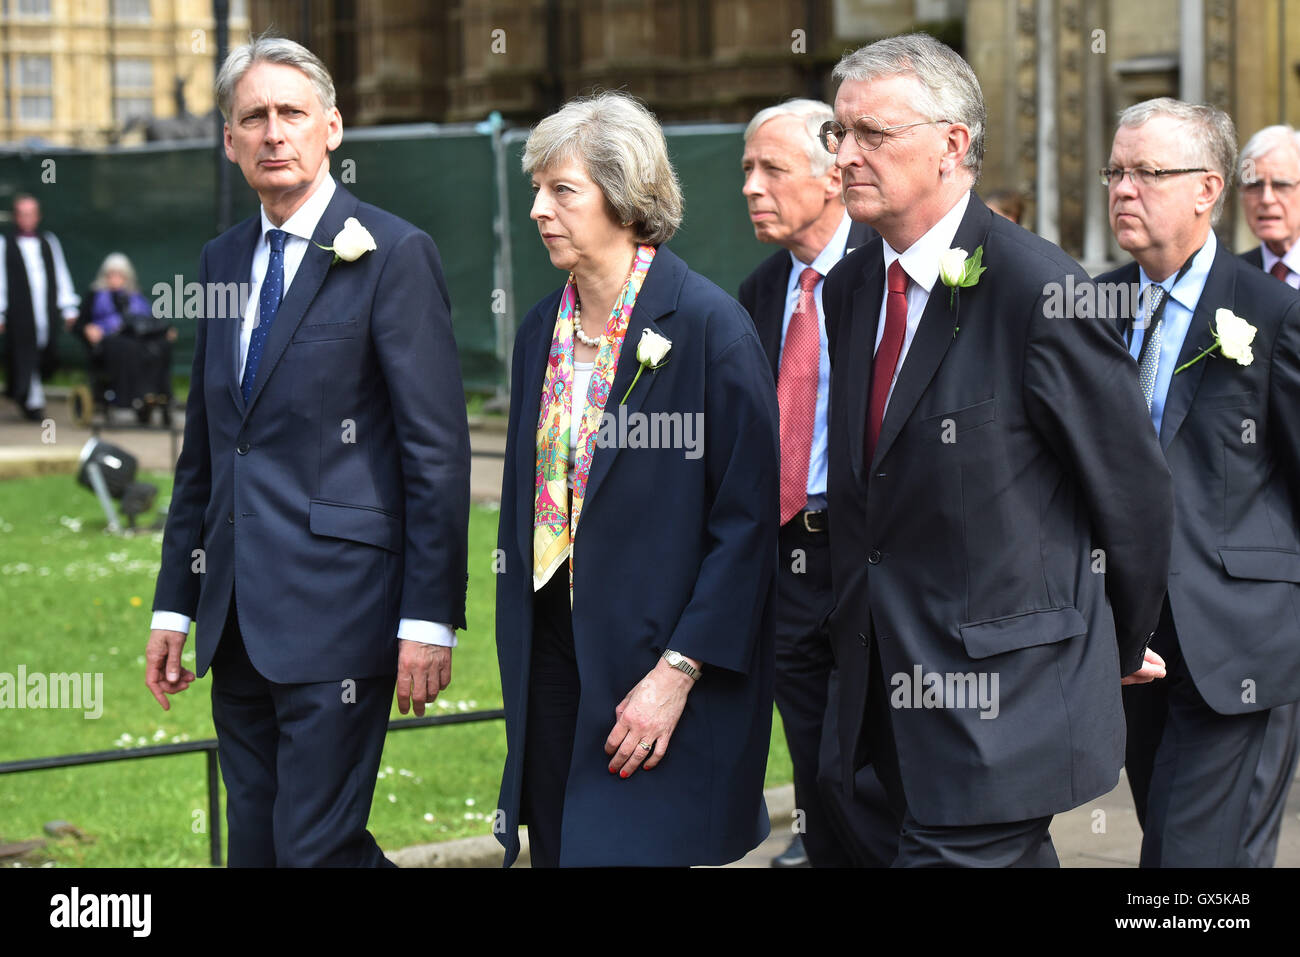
(553,692)
(1274,775)
(1190,768)
(299,762)
(839,830)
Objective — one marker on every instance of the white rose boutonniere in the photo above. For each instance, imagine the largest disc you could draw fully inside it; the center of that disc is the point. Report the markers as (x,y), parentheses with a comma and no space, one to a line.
(958,271)
(651,352)
(352,242)
(1232,336)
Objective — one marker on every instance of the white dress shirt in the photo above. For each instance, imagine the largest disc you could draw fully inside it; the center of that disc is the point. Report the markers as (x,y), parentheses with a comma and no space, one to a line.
(300,227)
(921,263)
(1291,259)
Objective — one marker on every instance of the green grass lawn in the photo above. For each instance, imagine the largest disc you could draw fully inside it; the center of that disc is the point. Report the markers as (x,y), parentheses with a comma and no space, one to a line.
(78,599)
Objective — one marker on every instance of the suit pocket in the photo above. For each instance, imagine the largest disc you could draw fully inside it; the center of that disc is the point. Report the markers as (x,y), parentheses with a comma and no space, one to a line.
(1263,564)
(321,331)
(1229,401)
(357,523)
(965,418)
(998,635)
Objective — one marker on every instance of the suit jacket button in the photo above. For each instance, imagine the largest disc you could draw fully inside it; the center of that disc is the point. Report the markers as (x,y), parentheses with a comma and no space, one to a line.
(874,557)
(242,448)
(230,518)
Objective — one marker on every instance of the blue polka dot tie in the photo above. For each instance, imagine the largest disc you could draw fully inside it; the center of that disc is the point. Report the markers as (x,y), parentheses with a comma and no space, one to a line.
(268,303)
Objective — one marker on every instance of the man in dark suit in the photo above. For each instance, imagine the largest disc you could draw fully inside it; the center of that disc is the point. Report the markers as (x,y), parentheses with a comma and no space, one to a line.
(999,548)
(318,523)
(37,298)
(1270,198)
(792,187)
(1228,424)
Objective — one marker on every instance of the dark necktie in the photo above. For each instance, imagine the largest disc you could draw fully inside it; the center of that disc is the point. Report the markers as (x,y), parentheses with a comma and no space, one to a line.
(1280,270)
(886,361)
(268,303)
(796,394)
(1149,354)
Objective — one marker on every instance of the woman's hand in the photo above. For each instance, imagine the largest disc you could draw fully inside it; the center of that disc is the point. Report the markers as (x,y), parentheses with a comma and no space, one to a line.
(646,718)
(93,334)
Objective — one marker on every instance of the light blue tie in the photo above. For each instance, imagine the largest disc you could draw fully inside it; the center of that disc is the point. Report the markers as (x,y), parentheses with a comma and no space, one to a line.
(268,303)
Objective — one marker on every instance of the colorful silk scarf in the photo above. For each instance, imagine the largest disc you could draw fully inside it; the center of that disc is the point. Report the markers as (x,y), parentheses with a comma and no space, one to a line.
(553,525)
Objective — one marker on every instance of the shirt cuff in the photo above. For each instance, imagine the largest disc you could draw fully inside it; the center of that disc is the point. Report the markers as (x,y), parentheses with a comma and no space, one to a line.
(171,621)
(426,632)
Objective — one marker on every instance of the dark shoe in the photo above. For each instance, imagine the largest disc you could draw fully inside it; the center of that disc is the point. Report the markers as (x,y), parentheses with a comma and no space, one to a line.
(792,856)
(34,415)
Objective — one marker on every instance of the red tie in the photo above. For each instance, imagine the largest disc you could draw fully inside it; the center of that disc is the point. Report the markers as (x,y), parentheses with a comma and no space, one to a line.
(886,361)
(796,394)
(1280,270)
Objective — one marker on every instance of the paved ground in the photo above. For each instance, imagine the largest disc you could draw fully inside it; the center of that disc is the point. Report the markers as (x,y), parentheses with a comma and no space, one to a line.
(1103,833)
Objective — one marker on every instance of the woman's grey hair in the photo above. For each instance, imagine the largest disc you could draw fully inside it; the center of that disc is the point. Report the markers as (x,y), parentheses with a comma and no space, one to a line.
(1211,139)
(621,146)
(266,49)
(115,262)
(1266,141)
(948,88)
(812,113)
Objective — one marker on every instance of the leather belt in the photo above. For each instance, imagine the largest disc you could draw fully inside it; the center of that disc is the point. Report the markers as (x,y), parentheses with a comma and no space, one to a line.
(813,521)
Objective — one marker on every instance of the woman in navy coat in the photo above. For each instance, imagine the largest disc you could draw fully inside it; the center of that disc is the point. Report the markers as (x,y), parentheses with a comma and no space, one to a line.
(638,525)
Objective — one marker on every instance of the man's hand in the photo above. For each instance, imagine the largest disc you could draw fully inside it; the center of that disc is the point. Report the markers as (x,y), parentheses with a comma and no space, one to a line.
(423,671)
(93,334)
(648,715)
(1153,667)
(163,673)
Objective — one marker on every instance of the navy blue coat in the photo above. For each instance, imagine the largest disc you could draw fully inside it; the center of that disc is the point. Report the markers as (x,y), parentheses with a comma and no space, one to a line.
(336,501)
(671,552)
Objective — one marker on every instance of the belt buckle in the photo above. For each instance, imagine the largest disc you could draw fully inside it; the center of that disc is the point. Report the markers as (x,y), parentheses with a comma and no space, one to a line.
(808,525)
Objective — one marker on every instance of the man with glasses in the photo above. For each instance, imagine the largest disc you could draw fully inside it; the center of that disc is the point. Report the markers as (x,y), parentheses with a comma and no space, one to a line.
(1000,548)
(1217,345)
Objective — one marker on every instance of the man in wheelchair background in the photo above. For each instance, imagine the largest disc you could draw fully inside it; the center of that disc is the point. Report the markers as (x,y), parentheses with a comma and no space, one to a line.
(130,350)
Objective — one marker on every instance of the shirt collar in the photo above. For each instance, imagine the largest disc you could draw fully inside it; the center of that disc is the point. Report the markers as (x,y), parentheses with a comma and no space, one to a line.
(305,218)
(831,253)
(1291,257)
(1187,290)
(921,259)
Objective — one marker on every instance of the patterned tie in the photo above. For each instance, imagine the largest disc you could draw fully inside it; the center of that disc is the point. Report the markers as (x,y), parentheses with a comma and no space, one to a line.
(1280,270)
(1149,355)
(268,303)
(886,361)
(796,394)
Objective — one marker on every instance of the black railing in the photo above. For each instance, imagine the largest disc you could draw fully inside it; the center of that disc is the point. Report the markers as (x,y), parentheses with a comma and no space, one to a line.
(209,747)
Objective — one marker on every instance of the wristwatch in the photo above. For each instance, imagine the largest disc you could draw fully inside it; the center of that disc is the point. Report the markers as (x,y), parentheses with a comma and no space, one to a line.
(681,664)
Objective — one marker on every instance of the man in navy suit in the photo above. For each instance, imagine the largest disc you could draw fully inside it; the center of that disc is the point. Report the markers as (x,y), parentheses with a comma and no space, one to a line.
(318,525)
(1227,422)
(1270,198)
(792,188)
(999,547)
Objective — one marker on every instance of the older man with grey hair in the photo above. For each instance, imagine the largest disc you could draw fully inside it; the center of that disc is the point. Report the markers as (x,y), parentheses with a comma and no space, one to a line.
(792,188)
(1270,198)
(999,548)
(318,524)
(1217,344)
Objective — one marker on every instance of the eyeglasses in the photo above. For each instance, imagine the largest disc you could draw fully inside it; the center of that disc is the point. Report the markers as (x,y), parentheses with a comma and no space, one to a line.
(867,130)
(1282,188)
(1113,176)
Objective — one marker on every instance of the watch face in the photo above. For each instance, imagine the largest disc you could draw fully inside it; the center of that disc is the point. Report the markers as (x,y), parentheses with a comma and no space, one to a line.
(673,658)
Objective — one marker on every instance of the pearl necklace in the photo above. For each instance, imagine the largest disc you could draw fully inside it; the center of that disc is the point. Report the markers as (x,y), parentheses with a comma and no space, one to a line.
(585,339)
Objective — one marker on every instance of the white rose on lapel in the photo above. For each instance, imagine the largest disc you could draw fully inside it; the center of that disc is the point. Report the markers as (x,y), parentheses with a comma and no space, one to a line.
(651,353)
(1235,336)
(1232,336)
(352,242)
(952,266)
(652,348)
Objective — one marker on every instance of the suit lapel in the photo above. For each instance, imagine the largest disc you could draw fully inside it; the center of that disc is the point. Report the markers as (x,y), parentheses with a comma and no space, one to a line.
(241,273)
(934,334)
(658,298)
(536,357)
(771,302)
(313,269)
(1220,286)
(861,351)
